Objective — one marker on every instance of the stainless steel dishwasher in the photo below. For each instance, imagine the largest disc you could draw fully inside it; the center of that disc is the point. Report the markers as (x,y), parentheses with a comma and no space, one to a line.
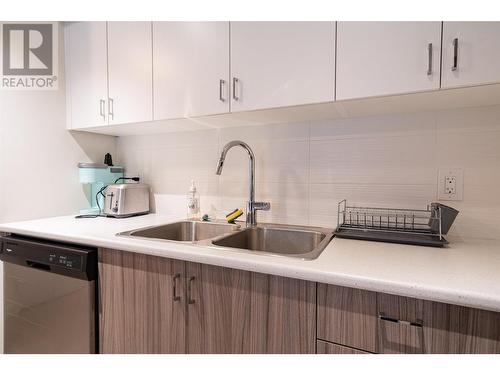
(49,296)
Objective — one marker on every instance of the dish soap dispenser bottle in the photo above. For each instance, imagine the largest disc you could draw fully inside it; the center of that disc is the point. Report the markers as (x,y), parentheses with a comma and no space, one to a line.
(193,203)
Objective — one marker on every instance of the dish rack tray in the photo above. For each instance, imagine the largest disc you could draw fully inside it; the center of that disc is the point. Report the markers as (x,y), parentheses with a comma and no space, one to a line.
(406,226)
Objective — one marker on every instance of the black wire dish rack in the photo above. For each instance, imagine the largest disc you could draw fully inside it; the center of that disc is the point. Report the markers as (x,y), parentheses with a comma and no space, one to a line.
(405,226)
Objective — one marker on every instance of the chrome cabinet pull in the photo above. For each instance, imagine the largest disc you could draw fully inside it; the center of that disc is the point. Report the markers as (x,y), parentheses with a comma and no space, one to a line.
(190,282)
(429,66)
(235,81)
(221,86)
(174,287)
(102,104)
(111,108)
(417,323)
(455,55)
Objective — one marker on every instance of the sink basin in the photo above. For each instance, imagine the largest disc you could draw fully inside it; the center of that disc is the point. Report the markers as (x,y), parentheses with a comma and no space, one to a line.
(290,241)
(191,231)
(266,239)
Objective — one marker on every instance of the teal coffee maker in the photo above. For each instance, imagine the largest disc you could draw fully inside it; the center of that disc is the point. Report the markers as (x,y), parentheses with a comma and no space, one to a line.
(94,177)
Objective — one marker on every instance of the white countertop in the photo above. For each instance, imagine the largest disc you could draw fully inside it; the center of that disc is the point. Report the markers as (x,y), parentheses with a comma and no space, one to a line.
(465,273)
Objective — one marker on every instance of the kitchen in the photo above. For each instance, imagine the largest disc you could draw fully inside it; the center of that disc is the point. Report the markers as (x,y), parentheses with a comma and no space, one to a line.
(250,187)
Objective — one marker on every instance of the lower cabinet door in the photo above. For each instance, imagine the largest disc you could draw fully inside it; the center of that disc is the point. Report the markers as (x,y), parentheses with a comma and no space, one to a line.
(460,330)
(142,303)
(324,347)
(233,311)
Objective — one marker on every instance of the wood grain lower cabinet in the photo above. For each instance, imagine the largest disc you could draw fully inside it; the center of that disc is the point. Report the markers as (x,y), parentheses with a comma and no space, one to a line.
(347,316)
(138,310)
(436,328)
(458,329)
(233,311)
(389,324)
(324,347)
(157,305)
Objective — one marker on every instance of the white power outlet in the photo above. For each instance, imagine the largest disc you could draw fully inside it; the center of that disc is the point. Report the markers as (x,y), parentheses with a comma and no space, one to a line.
(450,184)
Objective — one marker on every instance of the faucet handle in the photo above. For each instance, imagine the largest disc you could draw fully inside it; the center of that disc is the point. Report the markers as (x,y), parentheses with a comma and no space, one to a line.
(264,206)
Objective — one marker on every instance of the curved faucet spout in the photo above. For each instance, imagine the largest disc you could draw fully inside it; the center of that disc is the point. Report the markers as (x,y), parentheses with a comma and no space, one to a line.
(229,146)
(252,206)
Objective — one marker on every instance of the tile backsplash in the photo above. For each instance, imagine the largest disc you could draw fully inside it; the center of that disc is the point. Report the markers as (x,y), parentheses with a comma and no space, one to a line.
(304,169)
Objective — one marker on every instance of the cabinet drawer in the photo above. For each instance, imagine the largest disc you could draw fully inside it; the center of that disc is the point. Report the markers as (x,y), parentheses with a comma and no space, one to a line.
(347,316)
(324,347)
(400,325)
(409,325)
(385,323)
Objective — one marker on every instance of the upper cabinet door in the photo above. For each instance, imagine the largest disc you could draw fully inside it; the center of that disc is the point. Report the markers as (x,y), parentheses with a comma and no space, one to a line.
(130,72)
(471,53)
(277,64)
(385,58)
(86,70)
(190,69)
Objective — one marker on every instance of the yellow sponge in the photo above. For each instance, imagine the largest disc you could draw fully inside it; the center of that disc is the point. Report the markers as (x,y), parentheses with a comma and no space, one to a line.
(232,216)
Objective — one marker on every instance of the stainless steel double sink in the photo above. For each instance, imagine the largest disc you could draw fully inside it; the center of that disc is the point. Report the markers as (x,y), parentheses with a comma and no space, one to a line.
(267,239)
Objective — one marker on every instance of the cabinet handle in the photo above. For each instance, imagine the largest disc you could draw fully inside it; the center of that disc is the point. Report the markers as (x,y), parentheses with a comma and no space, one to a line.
(235,81)
(174,292)
(190,282)
(111,108)
(429,66)
(455,55)
(417,323)
(102,104)
(221,86)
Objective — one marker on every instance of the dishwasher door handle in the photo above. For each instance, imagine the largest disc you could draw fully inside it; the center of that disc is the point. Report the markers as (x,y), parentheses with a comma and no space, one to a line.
(39,266)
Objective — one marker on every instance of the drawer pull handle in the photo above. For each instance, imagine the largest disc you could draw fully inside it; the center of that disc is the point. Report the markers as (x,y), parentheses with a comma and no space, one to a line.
(418,323)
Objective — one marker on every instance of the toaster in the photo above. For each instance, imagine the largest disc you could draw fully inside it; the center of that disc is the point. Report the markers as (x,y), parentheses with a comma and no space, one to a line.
(125,200)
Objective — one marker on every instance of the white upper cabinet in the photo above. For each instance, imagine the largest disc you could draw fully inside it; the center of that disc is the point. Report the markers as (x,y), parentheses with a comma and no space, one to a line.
(86,69)
(130,71)
(471,53)
(135,72)
(190,69)
(278,64)
(385,58)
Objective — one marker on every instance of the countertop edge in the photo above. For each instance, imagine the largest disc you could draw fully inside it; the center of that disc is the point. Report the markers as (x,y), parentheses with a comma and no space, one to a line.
(478,301)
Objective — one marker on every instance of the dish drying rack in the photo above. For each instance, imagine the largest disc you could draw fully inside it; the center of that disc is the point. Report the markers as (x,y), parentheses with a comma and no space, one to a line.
(407,226)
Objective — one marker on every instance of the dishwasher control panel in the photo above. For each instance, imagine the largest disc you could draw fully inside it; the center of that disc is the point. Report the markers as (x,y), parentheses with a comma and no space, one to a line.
(72,260)
(65,260)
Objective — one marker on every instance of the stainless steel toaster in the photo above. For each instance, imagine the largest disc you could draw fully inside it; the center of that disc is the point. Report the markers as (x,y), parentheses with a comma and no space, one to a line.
(124,200)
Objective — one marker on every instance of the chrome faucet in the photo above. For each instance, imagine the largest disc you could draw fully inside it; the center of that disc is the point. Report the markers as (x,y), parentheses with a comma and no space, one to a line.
(252,206)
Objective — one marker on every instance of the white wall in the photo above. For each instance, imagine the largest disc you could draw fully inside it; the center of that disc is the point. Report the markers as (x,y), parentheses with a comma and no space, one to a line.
(305,169)
(38,156)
